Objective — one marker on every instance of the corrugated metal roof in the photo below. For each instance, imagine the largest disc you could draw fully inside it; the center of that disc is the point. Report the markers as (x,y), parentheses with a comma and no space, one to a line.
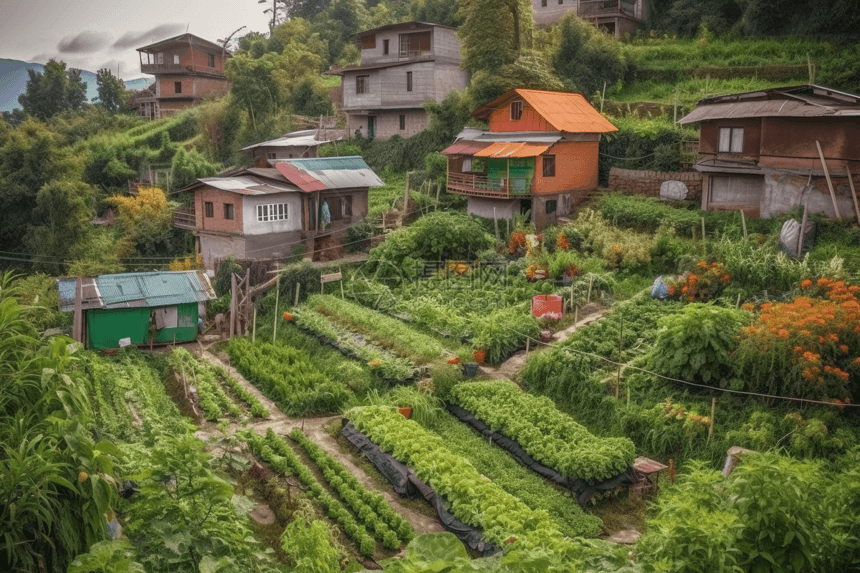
(564,111)
(304,138)
(465,147)
(248,185)
(512,149)
(328,172)
(784,107)
(472,134)
(90,295)
(131,290)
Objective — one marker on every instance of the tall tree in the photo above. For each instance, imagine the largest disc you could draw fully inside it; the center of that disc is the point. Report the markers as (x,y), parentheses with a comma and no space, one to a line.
(587,57)
(53,91)
(511,23)
(112,94)
(63,220)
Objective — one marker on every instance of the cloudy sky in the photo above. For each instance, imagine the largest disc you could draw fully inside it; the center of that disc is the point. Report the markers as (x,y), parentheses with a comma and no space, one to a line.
(94,34)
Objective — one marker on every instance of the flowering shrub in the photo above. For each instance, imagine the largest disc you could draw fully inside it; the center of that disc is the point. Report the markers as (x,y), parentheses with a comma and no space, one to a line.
(694,424)
(706,283)
(812,344)
(518,242)
(620,247)
(562,243)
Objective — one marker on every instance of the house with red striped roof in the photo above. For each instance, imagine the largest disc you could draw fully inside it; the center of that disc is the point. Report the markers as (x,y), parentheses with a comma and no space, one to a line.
(539,155)
(261,213)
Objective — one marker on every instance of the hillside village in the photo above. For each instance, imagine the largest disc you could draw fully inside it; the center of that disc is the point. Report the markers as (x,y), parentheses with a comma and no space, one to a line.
(438,285)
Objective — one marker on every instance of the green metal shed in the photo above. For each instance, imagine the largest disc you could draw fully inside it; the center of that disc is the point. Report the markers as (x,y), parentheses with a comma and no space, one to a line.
(163,306)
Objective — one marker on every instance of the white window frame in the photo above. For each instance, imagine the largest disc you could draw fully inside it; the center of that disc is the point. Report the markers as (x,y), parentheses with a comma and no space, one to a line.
(731,140)
(175,59)
(272,212)
(160,57)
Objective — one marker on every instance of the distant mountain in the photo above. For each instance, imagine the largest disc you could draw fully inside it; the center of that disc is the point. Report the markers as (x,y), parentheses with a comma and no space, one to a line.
(13,82)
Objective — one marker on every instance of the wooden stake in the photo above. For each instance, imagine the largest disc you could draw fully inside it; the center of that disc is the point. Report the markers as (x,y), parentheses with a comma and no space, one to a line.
(405,202)
(628,396)
(232,304)
(713,409)
(620,344)
(528,340)
(744,223)
(298,288)
(590,281)
(802,225)
(829,182)
(575,314)
(340,270)
(254,327)
(277,295)
(703,228)
(853,192)
(438,190)
(78,323)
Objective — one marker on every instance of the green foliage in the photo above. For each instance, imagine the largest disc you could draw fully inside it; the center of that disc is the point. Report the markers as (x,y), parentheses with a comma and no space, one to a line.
(437,236)
(288,377)
(512,477)
(387,525)
(695,344)
(256,407)
(512,22)
(549,436)
(657,150)
(529,70)
(309,548)
(588,58)
(275,451)
(40,300)
(358,236)
(222,283)
(304,274)
(61,220)
(112,94)
(213,400)
(53,91)
(107,557)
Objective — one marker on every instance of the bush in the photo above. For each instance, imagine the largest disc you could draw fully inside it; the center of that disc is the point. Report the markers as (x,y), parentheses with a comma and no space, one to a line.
(358,236)
(695,344)
(305,274)
(222,283)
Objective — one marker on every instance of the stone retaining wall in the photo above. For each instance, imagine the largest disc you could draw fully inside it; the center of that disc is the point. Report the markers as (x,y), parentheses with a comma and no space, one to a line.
(648,182)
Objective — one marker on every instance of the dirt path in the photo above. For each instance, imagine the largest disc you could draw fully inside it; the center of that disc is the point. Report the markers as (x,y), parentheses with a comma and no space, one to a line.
(512,366)
(281,424)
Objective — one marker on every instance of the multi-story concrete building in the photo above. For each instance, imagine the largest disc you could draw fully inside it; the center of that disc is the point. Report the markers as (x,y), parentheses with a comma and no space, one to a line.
(402,66)
(617,17)
(187,69)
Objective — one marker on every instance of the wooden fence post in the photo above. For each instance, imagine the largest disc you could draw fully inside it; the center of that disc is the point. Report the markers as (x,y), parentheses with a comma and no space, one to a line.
(298,287)
(829,182)
(744,223)
(703,229)
(711,425)
(277,295)
(254,326)
(853,193)
(232,304)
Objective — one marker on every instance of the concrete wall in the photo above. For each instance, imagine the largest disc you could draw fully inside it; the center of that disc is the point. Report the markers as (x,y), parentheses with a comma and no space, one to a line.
(218,199)
(443,44)
(553,11)
(293,222)
(388,123)
(782,192)
(448,77)
(575,168)
(214,247)
(501,208)
(648,182)
(387,86)
(296,151)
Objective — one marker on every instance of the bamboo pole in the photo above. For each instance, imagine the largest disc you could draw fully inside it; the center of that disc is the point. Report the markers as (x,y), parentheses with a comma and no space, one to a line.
(829,182)
(711,425)
(232,304)
(853,192)
(438,189)
(528,340)
(254,327)
(802,225)
(620,344)
(590,282)
(277,295)
(744,223)
(298,288)
(340,270)
(575,314)
(703,228)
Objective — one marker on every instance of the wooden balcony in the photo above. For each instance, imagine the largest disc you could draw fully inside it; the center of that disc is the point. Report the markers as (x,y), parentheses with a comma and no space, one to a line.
(177,69)
(602,8)
(483,186)
(185,218)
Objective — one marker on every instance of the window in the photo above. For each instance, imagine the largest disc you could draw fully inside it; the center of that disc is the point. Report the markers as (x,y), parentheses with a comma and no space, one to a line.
(160,58)
(412,45)
(409,81)
(549,165)
(516,110)
(362,84)
(272,212)
(177,87)
(228,211)
(210,60)
(368,42)
(210,209)
(543,3)
(402,122)
(384,47)
(731,140)
(270,155)
(176,59)
(551,206)
(467,165)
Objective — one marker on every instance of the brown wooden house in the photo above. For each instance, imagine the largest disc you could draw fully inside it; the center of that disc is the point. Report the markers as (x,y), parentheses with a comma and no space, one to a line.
(759,150)
(617,17)
(187,69)
(539,155)
(260,213)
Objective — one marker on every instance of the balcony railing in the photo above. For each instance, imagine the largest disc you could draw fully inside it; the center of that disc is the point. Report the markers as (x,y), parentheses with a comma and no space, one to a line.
(185,218)
(176,69)
(483,186)
(595,8)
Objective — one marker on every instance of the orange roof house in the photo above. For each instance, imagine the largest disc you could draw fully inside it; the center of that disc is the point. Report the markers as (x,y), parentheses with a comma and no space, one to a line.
(539,154)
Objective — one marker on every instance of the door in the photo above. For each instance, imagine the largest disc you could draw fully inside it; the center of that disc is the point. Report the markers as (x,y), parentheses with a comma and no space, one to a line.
(371,126)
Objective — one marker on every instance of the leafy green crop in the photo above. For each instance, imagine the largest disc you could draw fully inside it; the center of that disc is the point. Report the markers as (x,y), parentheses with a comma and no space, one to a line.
(475,500)
(549,436)
(213,400)
(288,377)
(371,508)
(275,452)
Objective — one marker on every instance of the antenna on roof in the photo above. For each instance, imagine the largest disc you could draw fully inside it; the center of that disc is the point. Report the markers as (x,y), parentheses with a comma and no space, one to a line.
(188,26)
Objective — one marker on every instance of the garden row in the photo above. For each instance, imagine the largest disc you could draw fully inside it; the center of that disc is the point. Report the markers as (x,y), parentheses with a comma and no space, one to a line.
(208,380)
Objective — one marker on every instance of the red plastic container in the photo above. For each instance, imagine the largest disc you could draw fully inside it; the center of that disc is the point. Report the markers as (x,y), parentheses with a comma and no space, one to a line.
(544,303)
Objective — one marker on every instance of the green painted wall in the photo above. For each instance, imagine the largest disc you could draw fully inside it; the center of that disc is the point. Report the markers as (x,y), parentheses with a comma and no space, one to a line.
(187,329)
(522,173)
(105,328)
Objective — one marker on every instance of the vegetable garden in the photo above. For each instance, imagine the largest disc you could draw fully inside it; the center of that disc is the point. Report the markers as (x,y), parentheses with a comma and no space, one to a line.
(737,344)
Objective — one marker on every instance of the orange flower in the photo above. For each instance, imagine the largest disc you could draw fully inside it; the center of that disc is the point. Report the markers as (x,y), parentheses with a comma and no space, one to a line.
(783,333)
(702,265)
(823,282)
(748,307)
(726,277)
(288,317)
(843,348)
(806,284)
